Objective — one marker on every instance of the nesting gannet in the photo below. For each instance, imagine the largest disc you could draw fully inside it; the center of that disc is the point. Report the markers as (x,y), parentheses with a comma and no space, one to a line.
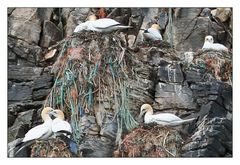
(153,33)
(58,124)
(103,25)
(208,44)
(42,131)
(164,119)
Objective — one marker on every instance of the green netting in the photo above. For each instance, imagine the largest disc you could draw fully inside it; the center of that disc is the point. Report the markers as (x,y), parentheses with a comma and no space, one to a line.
(91,72)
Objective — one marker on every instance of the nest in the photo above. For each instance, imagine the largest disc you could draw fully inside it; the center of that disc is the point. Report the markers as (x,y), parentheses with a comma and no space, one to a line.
(217,63)
(91,71)
(50,148)
(155,141)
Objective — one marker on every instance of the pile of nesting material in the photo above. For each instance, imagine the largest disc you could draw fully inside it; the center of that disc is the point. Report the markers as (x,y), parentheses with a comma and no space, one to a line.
(212,62)
(153,141)
(51,148)
(60,146)
(92,73)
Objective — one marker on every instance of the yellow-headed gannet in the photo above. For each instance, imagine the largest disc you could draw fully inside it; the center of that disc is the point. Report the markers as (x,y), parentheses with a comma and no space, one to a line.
(58,124)
(42,131)
(153,33)
(103,25)
(208,44)
(164,119)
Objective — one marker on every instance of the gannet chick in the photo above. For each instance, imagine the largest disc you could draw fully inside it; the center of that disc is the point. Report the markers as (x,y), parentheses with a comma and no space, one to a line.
(164,119)
(153,33)
(59,125)
(208,44)
(103,25)
(42,131)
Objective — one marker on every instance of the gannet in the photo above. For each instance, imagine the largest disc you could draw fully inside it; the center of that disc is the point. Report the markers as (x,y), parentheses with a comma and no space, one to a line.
(59,125)
(208,44)
(153,33)
(164,119)
(42,131)
(103,25)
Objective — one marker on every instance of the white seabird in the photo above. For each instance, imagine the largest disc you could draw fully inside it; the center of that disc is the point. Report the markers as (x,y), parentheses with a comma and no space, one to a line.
(208,44)
(103,25)
(59,125)
(152,33)
(42,131)
(164,119)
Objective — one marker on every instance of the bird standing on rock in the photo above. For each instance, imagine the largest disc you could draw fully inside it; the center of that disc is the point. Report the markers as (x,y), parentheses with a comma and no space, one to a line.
(208,44)
(103,25)
(164,119)
(152,33)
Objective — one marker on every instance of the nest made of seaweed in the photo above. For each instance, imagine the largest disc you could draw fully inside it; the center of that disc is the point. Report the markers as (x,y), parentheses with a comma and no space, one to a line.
(156,141)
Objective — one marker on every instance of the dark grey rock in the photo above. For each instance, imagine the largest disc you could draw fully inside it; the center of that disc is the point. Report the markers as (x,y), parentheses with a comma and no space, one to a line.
(163,18)
(109,129)
(201,89)
(11,119)
(51,34)
(174,96)
(205,152)
(213,138)
(11,55)
(193,76)
(18,107)
(40,94)
(75,17)
(20,92)
(45,13)
(170,73)
(25,24)
(29,54)
(227,97)
(189,30)
(19,73)
(12,58)
(44,81)
(24,118)
(212,109)
(93,146)
(17,131)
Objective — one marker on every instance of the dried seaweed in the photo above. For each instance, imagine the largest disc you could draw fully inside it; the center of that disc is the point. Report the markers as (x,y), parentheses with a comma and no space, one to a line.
(154,141)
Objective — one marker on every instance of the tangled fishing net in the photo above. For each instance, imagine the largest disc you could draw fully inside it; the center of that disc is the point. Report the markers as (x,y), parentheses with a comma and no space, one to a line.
(92,69)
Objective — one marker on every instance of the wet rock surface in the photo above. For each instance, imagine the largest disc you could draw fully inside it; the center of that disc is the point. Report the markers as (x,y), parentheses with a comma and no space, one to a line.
(199,86)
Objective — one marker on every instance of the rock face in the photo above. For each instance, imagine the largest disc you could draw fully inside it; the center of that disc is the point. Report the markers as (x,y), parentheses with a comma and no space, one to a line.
(174,96)
(213,138)
(51,34)
(188,30)
(199,84)
(25,24)
(28,87)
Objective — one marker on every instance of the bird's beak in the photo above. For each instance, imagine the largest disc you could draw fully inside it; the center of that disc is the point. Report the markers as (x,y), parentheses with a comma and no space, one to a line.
(52,114)
(142,112)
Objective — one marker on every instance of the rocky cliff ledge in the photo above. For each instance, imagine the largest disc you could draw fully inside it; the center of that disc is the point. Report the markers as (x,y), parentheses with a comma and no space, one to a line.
(174,75)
